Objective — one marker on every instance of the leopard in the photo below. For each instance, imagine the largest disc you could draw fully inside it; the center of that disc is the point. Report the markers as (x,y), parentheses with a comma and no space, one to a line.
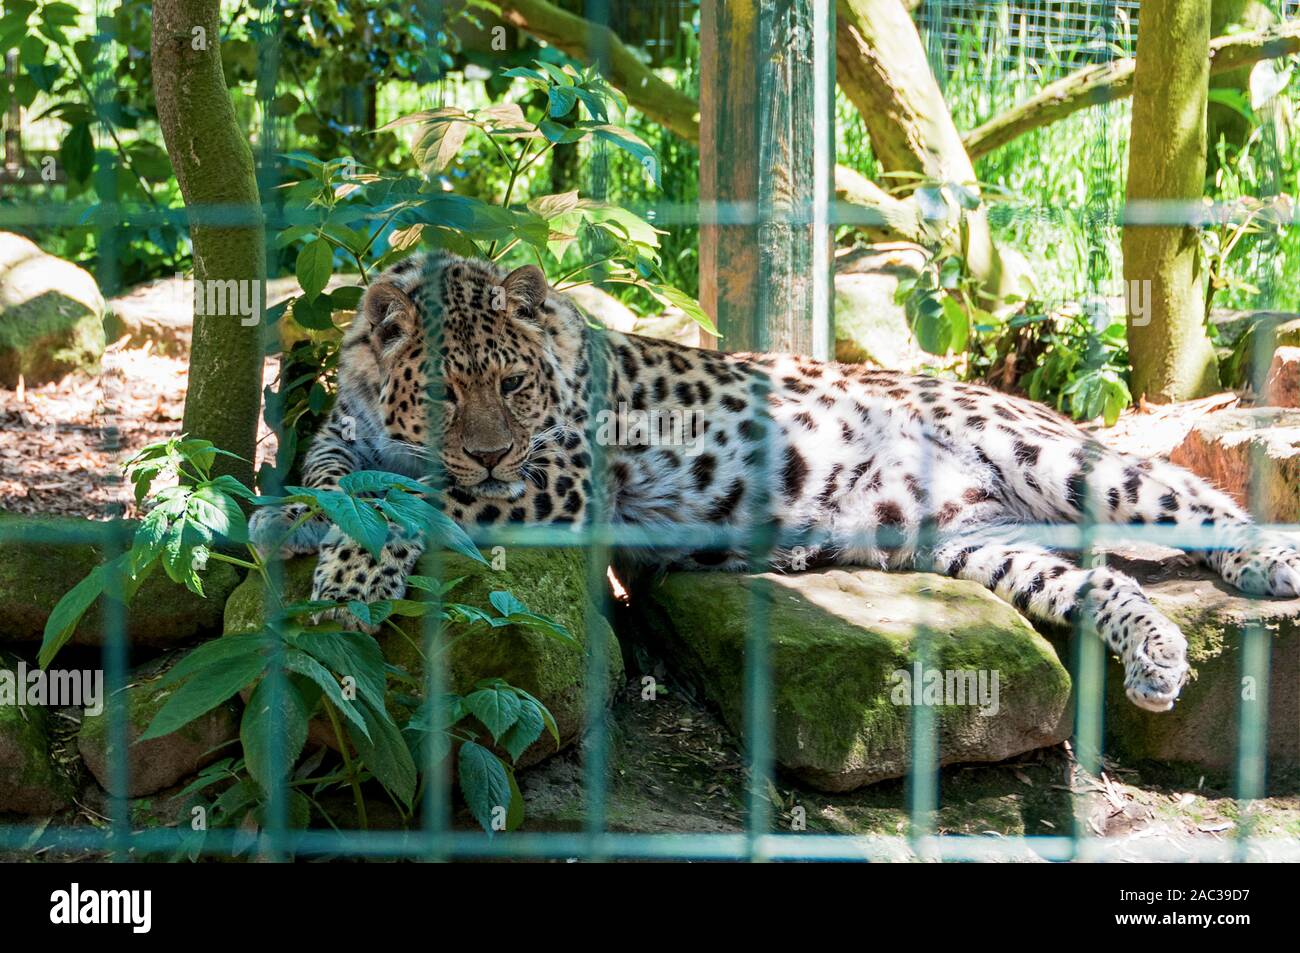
(494,389)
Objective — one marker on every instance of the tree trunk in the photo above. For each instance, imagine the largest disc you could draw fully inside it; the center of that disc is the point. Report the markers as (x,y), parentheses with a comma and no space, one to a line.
(1106,82)
(214,166)
(883,69)
(1171,353)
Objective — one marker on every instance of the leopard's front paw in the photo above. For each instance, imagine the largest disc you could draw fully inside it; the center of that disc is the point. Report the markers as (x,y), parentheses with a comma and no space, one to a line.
(1272,569)
(1156,668)
(280,530)
(347,573)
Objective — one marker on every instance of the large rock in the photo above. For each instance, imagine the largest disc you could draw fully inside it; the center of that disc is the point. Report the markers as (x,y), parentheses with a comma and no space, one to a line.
(29,782)
(51,315)
(1227,446)
(549,581)
(35,575)
(870,327)
(843,646)
(1282,386)
(159,762)
(1201,730)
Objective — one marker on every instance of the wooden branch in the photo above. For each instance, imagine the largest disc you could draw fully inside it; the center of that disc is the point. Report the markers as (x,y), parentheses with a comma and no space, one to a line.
(1106,82)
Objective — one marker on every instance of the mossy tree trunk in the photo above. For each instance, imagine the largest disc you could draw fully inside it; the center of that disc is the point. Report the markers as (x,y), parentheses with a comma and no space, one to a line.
(1171,353)
(210,153)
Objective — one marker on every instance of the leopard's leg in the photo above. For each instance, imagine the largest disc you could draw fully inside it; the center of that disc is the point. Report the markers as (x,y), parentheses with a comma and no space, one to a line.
(337,450)
(1046,587)
(346,571)
(1158,492)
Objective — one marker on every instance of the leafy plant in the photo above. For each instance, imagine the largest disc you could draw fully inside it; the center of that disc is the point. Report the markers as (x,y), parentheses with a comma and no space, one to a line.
(325,667)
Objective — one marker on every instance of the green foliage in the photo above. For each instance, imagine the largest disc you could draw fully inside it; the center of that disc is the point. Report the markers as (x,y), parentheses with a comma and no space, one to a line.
(300,665)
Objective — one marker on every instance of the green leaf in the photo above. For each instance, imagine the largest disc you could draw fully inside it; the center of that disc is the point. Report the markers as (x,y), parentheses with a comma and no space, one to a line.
(258,724)
(357,518)
(77,153)
(199,695)
(371,613)
(215,511)
(296,660)
(439,143)
(67,612)
(484,782)
(348,654)
(527,729)
(385,753)
(497,708)
(315,266)
(561,100)
(378,481)
(212,653)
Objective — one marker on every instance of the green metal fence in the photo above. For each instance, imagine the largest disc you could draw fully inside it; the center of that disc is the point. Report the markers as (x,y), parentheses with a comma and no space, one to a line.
(118,223)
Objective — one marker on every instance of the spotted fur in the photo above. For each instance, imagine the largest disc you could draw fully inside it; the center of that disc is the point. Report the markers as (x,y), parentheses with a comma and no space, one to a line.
(855,465)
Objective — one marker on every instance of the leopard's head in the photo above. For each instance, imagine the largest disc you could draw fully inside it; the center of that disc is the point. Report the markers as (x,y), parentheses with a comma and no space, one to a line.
(491,338)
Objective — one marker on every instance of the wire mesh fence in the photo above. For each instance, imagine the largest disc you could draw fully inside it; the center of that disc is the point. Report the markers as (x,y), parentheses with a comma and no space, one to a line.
(1058,34)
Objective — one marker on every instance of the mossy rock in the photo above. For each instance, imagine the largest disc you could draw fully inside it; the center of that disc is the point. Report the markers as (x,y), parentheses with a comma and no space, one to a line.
(29,782)
(837,640)
(51,315)
(1202,729)
(35,575)
(1280,329)
(159,762)
(551,582)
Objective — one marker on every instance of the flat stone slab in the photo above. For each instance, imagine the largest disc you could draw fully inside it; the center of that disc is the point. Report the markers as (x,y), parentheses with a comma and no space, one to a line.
(1201,730)
(1228,446)
(844,656)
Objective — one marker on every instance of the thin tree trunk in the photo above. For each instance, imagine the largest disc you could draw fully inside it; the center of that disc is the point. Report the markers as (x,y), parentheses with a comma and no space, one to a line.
(1106,82)
(1171,353)
(210,153)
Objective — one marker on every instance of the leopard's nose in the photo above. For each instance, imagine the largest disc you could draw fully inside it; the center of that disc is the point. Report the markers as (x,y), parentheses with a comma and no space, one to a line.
(489,458)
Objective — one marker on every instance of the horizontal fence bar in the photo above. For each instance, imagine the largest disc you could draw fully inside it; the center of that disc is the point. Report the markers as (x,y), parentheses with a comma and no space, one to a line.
(142,217)
(654,846)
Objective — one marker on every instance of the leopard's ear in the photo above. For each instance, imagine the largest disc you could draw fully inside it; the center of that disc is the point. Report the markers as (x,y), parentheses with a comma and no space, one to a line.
(526,291)
(391,314)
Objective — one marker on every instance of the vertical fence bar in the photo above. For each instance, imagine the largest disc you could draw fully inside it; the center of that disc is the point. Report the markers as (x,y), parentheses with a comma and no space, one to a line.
(1090,653)
(437,793)
(599,396)
(114,619)
(1253,698)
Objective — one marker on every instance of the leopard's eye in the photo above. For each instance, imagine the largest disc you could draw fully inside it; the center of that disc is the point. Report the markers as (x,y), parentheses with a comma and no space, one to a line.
(512,383)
